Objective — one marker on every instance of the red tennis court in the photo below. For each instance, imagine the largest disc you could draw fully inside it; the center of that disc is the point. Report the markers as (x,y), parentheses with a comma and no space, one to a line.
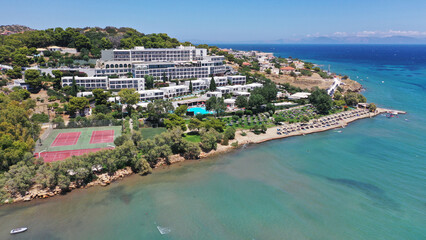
(105,136)
(66,139)
(61,155)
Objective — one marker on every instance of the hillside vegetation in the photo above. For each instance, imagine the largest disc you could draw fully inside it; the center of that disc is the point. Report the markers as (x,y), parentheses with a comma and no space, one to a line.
(12,29)
(89,41)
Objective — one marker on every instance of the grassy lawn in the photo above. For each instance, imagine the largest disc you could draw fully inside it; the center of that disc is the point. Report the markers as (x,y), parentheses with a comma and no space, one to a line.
(193,138)
(149,133)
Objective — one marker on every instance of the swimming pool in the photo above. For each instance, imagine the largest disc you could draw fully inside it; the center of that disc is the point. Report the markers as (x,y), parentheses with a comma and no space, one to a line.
(199,110)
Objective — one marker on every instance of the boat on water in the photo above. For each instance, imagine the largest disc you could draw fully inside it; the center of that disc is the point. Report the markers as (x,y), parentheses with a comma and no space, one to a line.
(18,230)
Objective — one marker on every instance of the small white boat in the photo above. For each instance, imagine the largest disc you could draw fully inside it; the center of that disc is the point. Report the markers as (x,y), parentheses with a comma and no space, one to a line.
(18,230)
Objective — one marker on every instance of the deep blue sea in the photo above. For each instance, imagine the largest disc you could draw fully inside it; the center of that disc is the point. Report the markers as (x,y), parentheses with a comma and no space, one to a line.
(366,182)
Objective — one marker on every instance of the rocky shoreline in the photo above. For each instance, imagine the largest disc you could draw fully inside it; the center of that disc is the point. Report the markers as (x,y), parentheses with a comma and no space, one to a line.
(38,192)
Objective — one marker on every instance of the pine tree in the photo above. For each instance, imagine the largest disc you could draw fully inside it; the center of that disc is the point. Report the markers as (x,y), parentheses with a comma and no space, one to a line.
(164,78)
(74,88)
(212,85)
(190,86)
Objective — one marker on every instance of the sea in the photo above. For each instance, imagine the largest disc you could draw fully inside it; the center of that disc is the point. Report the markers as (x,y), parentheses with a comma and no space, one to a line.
(365,181)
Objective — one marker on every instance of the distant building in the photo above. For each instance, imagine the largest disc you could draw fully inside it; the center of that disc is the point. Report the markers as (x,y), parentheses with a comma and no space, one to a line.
(287,70)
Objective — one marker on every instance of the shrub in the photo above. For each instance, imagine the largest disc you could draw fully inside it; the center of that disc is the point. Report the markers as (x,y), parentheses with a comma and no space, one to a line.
(225,141)
(230,133)
(40,118)
(121,140)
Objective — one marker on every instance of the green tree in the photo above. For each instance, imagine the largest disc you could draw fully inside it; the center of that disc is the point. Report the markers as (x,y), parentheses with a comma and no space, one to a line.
(208,141)
(164,77)
(372,107)
(101,96)
(305,72)
(158,109)
(212,86)
(190,86)
(19,178)
(230,133)
(78,104)
(106,43)
(81,42)
(149,82)
(129,97)
(255,101)
(241,102)
(15,73)
(32,77)
(214,123)
(57,81)
(173,120)
(181,110)
(321,101)
(190,150)
(20,59)
(74,88)
(216,104)
(195,124)
(351,99)
(337,95)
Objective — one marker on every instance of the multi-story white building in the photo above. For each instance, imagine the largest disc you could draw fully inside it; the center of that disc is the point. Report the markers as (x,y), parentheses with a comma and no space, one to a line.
(251,86)
(175,91)
(88,83)
(175,63)
(121,83)
(224,90)
(197,85)
(171,70)
(141,54)
(151,95)
(237,88)
(214,94)
(237,80)
(114,68)
(220,81)
(106,83)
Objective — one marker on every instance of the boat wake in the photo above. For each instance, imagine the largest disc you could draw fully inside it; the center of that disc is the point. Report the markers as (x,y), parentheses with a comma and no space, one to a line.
(163,230)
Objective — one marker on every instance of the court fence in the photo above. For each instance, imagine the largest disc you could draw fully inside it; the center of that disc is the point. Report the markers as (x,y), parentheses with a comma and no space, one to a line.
(82,123)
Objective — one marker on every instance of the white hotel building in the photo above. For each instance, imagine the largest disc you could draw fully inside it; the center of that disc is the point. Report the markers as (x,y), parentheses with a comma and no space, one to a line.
(90,83)
(175,91)
(176,63)
(151,95)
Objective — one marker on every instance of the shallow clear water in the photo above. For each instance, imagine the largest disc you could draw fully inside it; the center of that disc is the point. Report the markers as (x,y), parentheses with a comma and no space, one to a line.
(367,182)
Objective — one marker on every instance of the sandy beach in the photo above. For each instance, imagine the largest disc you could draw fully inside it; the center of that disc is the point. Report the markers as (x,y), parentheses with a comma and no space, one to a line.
(338,120)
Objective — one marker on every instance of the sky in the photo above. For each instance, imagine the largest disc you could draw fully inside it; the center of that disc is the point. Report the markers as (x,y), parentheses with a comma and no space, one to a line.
(228,21)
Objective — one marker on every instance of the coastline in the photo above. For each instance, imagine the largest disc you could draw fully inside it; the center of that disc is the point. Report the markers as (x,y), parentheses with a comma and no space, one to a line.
(36,192)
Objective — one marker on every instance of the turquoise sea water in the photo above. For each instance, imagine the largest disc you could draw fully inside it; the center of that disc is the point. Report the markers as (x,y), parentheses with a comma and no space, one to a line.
(367,182)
